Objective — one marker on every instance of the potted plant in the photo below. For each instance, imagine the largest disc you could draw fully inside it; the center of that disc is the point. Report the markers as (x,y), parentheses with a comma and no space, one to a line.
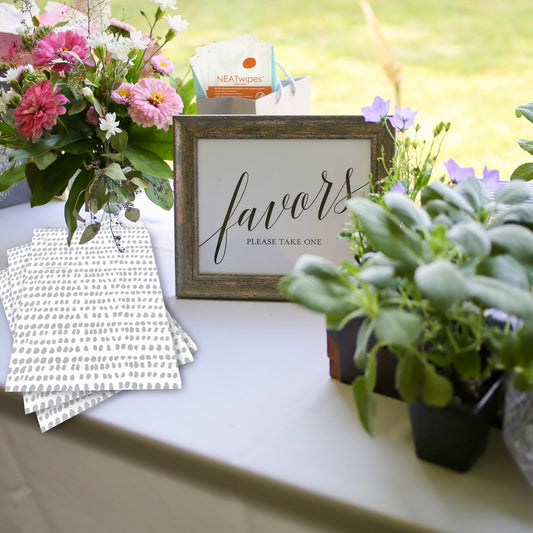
(444,285)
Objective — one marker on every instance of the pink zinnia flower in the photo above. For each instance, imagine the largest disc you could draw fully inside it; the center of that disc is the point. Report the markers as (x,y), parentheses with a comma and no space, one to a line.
(162,64)
(121,95)
(153,101)
(66,46)
(39,109)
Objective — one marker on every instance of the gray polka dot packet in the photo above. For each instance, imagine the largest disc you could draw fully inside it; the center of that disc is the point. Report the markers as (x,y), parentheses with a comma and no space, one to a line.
(87,322)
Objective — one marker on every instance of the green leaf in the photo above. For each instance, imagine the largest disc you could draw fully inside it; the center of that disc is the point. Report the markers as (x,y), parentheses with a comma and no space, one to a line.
(365,402)
(132,214)
(159,192)
(385,233)
(436,389)
(438,190)
(473,191)
(188,95)
(43,161)
(90,232)
(526,110)
(50,182)
(526,145)
(119,141)
(75,200)
(520,214)
(467,362)
(411,214)
(77,106)
(523,172)
(409,377)
(329,296)
(43,145)
(377,275)
(15,174)
(513,239)
(500,295)
(471,237)
(441,283)
(505,268)
(396,326)
(514,192)
(361,344)
(317,266)
(158,141)
(114,171)
(147,162)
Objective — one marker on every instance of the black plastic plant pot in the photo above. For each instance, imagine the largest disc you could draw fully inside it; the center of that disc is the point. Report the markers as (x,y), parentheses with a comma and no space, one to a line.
(341,349)
(454,436)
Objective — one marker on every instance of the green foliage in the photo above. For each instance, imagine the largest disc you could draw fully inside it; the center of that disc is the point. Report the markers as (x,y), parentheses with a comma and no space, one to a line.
(427,288)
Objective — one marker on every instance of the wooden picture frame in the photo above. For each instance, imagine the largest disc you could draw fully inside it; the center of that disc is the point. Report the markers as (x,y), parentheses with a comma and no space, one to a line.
(252,193)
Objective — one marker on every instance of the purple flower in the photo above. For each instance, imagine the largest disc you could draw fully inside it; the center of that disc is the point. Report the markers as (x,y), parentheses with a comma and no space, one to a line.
(458,174)
(491,180)
(403,118)
(377,111)
(398,187)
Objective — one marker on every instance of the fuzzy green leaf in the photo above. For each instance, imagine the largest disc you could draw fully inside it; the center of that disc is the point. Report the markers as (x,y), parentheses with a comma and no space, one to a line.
(441,282)
(438,190)
(514,192)
(525,110)
(411,214)
(495,293)
(331,297)
(526,145)
(386,234)
(395,326)
(513,239)
(505,268)
(471,237)
(361,344)
(436,389)
(365,402)
(409,377)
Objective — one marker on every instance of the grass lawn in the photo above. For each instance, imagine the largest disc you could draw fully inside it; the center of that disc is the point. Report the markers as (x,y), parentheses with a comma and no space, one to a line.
(463,62)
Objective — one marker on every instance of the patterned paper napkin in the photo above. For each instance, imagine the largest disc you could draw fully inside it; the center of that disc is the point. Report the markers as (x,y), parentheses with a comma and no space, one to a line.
(87,321)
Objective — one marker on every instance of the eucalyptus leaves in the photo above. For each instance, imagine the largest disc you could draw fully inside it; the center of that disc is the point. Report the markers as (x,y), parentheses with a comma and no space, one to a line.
(430,289)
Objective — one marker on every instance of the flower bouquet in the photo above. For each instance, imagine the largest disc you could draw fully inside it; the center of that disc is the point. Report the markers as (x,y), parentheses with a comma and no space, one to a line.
(90,111)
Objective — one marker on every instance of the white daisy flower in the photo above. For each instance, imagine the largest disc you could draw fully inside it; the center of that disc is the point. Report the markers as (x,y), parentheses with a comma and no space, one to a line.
(138,41)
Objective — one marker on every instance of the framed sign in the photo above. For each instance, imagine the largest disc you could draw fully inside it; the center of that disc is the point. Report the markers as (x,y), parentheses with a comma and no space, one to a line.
(253,193)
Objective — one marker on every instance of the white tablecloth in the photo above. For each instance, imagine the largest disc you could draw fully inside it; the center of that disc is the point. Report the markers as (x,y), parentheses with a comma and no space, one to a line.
(259,439)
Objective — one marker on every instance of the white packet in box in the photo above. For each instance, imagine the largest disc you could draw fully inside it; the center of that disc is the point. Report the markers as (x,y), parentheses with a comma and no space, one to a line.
(240,67)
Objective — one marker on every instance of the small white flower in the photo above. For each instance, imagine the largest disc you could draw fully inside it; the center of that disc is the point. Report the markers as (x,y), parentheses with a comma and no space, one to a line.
(176,23)
(120,49)
(110,124)
(99,39)
(11,74)
(165,4)
(138,41)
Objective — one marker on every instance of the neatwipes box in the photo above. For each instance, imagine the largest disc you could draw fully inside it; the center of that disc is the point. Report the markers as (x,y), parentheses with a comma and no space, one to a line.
(239,76)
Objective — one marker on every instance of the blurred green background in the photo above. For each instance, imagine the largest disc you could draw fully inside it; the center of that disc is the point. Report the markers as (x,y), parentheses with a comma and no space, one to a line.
(467,62)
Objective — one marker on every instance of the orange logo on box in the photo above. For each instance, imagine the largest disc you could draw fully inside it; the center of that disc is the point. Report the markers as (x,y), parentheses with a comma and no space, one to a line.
(249,62)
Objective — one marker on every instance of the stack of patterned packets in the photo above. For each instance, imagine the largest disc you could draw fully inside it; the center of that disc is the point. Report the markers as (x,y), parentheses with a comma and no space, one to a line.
(87,322)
